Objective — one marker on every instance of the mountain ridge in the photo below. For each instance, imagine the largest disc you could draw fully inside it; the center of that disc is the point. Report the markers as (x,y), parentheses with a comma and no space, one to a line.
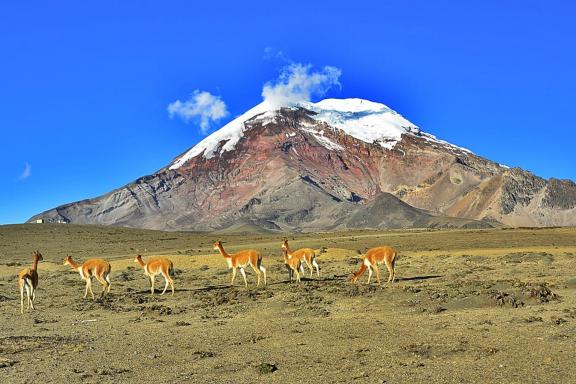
(313,166)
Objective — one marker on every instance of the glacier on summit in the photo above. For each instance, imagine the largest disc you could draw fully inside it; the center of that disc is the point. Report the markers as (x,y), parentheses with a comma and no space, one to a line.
(365,120)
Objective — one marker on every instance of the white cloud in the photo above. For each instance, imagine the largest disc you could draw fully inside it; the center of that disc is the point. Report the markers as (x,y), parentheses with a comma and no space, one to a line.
(26,172)
(298,82)
(203,106)
(271,53)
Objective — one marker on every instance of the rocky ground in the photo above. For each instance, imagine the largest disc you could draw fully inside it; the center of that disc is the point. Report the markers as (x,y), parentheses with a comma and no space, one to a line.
(469,306)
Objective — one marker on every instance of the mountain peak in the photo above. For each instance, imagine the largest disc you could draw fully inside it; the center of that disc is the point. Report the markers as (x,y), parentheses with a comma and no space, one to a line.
(351,105)
(363,119)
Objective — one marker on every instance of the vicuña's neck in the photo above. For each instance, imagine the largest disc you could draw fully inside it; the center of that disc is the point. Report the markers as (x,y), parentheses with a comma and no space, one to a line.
(223,252)
(361,271)
(140,261)
(73,264)
(35,264)
(288,248)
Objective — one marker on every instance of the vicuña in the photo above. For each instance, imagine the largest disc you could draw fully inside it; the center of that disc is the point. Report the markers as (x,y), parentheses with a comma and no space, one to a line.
(373,257)
(28,280)
(241,260)
(305,255)
(157,266)
(98,268)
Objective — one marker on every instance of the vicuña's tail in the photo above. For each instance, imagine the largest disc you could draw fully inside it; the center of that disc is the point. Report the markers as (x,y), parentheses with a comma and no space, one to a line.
(171,270)
(394,258)
(259,262)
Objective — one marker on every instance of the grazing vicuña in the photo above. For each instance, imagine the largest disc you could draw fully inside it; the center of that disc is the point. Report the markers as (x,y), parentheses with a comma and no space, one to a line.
(373,257)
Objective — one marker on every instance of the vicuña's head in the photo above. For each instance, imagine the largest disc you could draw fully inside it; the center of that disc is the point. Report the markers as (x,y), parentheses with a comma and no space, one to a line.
(37,256)
(285,244)
(138,258)
(68,260)
(217,244)
(354,278)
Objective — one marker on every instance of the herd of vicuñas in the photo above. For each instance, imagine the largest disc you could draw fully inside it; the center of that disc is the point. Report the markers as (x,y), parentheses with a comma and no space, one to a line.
(100,269)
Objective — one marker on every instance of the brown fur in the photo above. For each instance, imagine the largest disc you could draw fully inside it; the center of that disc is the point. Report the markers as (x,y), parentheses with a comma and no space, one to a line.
(157,266)
(240,260)
(305,255)
(28,280)
(294,264)
(98,268)
(375,256)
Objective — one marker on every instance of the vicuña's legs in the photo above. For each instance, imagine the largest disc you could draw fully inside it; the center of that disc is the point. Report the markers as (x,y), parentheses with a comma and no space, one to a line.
(377,274)
(152,284)
(315,264)
(369,274)
(165,285)
(290,272)
(171,283)
(22,298)
(244,276)
(233,276)
(103,284)
(309,267)
(109,283)
(27,288)
(263,270)
(28,294)
(391,274)
(89,288)
(258,274)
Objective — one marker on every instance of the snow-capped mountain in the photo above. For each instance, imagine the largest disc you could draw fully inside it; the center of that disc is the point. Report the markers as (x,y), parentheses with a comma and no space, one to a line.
(364,120)
(334,164)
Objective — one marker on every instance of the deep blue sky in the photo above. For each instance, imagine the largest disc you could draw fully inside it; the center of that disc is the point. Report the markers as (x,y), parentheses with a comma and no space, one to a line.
(84,85)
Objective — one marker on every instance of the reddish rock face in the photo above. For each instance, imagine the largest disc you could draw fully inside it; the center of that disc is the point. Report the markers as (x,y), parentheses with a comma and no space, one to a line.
(281,176)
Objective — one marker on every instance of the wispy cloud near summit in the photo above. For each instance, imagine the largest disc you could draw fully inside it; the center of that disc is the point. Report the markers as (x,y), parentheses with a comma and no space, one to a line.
(299,82)
(202,105)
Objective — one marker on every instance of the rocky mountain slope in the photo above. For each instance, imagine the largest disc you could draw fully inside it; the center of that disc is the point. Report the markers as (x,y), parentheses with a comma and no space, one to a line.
(335,164)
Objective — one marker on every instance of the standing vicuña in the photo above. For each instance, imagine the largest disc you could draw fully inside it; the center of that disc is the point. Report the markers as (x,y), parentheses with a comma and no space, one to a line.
(157,266)
(375,256)
(241,260)
(306,255)
(98,268)
(28,279)
(294,265)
